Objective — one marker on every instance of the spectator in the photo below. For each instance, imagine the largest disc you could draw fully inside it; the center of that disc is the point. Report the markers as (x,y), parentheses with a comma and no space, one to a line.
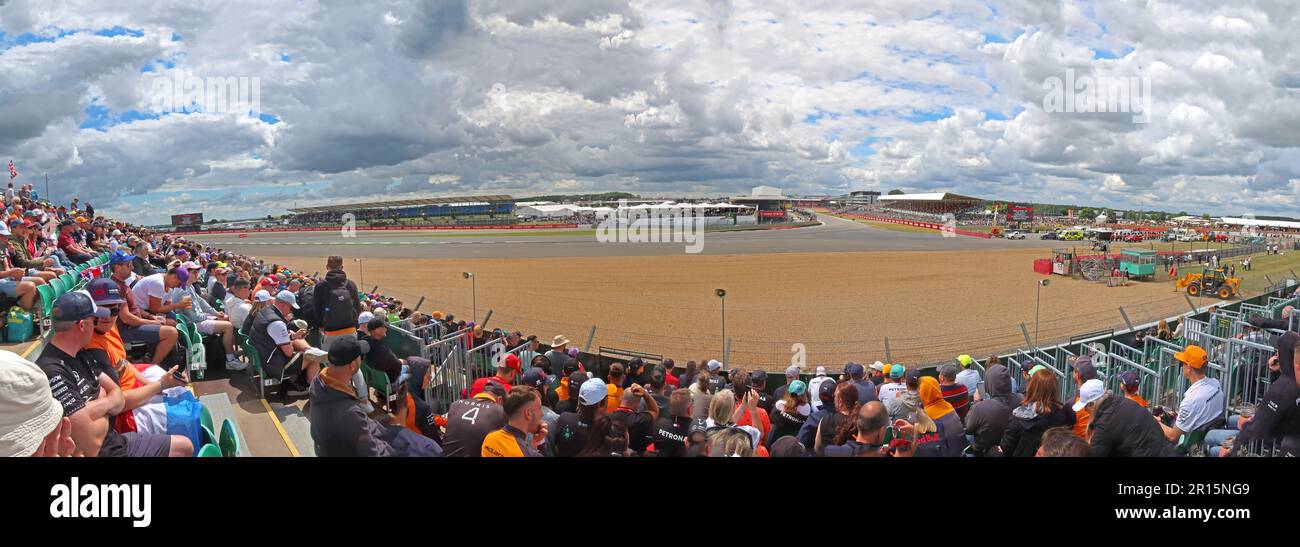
(1163,332)
(506,373)
(142,389)
(747,411)
(558,353)
(968,376)
(608,438)
(907,402)
(150,292)
(236,302)
(846,400)
(614,384)
(535,379)
(573,428)
(1061,442)
(27,257)
(758,381)
(790,413)
(31,419)
(140,264)
(1202,404)
(1277,416)
(815,386)
(524,432)
(339,426)
(412,410)
(377,354)
(700,396)
(74,251)
(671,430)
(1041,410)
(336,303)
(715,375)
(88,393)
(639,425)
(954,393)
(14,282)
(1082,372)
(876,374)
(731,443)
(136,324)
(1131,383)
(470,420)
(949,438)
(868,433)
(208,321)
(669,377)
(567,392)
(866,389)
(635,373)
(893,385)
(987,420)
(658,387)
(1120,427)
(808,431)
(278,348)
(791,374)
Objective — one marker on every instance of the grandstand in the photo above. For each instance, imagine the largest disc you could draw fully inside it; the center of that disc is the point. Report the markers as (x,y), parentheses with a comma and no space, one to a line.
(489,209)
(932,204)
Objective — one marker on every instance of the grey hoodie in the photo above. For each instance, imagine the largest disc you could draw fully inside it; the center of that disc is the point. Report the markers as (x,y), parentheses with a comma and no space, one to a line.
(907,402)
(987,420)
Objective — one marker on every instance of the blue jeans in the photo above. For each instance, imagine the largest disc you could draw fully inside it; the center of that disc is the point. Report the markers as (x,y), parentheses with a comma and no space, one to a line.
(1216,437)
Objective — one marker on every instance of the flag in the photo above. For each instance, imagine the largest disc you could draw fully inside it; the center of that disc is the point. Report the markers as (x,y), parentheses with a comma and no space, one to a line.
(12,173)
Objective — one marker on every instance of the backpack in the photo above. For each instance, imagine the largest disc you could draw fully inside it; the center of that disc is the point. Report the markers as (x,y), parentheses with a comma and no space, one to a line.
(338,312)
(307,306)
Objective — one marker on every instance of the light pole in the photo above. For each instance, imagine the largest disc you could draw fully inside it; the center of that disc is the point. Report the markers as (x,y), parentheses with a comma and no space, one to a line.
(361,271)
(473,291)
(722,293)
(1037,301)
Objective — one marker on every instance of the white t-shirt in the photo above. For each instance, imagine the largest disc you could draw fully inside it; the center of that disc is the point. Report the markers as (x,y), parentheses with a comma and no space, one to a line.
(969,378)
(814,390)
(236,309)
(278,332)
(151,285)
(890,390)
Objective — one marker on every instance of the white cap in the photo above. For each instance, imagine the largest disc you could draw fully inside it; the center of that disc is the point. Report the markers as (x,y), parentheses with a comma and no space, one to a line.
(593,391)
(821,371)
(28,410)
(365,317)
(878,366)
(714,365)
(262,296)
(1088,392)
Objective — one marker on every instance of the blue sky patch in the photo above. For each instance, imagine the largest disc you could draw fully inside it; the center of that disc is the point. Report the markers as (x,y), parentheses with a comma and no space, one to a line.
(1108,54)
(269,118)
(120,31)
(924,116)
(100,117)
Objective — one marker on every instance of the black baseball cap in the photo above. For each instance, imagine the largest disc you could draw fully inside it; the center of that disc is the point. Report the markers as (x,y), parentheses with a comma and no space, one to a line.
(344,351)
(376,323)
(493,387)
(827,390)
(75,306)
(535,378)
(758,377)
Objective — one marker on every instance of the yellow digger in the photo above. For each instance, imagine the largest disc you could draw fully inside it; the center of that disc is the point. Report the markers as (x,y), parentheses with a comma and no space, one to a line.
(1211,281)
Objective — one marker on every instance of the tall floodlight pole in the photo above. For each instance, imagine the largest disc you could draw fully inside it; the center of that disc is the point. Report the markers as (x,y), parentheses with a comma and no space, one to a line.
(722,294)
(1037,304)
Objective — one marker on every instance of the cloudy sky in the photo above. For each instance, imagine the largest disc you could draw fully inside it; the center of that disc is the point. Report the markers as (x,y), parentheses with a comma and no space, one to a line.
(664,97)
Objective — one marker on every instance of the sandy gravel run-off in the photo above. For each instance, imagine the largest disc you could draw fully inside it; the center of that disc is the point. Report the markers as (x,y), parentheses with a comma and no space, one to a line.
(932,305)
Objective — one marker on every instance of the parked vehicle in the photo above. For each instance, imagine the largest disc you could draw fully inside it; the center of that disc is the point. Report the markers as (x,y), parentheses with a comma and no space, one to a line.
(1015,235)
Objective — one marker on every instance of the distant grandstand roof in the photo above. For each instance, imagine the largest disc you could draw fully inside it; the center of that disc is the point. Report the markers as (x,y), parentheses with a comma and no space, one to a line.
(937,196)
(401,203)
(1264,223)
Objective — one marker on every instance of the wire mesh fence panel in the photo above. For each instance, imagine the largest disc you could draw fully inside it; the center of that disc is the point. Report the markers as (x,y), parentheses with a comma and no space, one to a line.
(1249,374)
(1148,379)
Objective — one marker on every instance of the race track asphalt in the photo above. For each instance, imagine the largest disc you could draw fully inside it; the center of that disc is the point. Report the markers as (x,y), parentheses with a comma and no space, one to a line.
(834,235)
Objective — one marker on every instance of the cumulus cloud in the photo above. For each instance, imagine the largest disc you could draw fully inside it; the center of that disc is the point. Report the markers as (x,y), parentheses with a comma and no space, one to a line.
(668,97)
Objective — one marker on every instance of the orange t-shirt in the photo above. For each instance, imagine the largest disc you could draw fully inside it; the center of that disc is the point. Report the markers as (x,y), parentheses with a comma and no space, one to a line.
(765,424)
(1137,399)
(111,342)
(1081,420)
(615,398)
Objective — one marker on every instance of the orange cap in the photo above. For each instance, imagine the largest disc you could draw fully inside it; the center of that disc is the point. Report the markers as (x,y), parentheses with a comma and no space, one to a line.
(1194,356)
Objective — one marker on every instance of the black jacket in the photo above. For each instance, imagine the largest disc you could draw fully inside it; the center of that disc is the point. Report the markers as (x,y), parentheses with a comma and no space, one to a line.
(1025,430)
(1278,414)
(340,428)
(987,420)
(1122,428)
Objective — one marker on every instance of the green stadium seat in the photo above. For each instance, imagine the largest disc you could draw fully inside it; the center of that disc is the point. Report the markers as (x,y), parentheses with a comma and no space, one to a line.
(209,451)
(59,288)
(377,380)
(205,420)
(229,439)
(47,294)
